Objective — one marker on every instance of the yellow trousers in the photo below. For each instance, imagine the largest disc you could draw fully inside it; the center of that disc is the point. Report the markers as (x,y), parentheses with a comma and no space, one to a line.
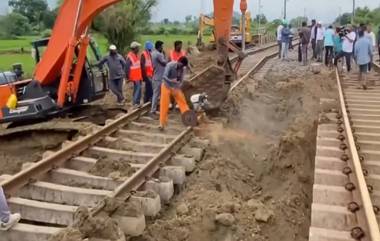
(179,97)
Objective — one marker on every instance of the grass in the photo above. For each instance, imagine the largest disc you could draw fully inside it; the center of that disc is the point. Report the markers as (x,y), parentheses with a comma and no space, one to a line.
(6,60)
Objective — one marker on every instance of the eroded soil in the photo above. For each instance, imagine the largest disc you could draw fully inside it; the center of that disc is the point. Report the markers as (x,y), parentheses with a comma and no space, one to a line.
(255,182)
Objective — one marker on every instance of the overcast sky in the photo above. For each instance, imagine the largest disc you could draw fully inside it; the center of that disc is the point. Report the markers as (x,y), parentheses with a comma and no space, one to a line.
(325,10)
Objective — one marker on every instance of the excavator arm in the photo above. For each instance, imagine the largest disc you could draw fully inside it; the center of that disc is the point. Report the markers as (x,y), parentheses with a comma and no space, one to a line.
(69,33)
(223,15)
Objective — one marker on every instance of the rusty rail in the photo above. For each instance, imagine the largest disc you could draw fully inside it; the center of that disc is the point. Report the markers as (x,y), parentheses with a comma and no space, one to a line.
(34,172)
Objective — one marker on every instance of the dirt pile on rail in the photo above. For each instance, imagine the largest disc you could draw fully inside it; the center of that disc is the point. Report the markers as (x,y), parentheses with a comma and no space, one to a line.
(116,169)
(256,180)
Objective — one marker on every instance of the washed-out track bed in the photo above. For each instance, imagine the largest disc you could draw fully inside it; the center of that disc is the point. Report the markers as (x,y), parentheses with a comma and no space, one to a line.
(346,191)
(48,193)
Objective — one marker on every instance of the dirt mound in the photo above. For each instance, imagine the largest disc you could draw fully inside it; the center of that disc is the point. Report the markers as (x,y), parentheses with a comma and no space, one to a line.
(86,227)
(116,169)
(211,82)
(255,182)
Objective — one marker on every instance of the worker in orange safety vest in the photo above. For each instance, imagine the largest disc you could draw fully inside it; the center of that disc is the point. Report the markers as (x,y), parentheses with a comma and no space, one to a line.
(134,73)
(147,70)
(177,52)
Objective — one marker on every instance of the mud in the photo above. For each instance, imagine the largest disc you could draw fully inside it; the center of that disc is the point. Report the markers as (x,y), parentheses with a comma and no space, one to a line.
(22,147)
(87,227)
(115,169)
(255,182)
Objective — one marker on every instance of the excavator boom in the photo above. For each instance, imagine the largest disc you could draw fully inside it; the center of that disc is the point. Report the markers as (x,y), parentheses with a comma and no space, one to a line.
(74,17)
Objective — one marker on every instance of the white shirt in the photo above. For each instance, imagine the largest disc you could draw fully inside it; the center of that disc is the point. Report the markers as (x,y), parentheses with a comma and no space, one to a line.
(279,35)
(320,33)
(372,37)
(348,46)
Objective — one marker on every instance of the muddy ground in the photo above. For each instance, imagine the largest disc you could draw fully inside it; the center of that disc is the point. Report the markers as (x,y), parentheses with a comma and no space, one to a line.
(255,182)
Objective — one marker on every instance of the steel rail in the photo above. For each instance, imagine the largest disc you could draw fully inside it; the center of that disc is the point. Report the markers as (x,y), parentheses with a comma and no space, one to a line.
(372,225)
(40,168)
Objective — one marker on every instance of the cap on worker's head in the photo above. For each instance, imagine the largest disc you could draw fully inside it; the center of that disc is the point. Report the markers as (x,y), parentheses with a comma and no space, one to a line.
(319,22)
(112,47)
(135,44)
(148,45)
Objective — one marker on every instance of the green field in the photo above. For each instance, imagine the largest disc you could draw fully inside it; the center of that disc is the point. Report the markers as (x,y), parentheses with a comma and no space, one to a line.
(7,59)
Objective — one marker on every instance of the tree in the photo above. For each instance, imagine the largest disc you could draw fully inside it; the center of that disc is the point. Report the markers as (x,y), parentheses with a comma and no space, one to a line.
(344,19)
(188,19)
(32,9)
(122,23)
(15,24)
(262,18)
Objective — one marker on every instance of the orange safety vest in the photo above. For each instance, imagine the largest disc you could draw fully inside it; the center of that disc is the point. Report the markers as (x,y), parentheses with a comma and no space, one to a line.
(135,68)
(148,64)
(175,56)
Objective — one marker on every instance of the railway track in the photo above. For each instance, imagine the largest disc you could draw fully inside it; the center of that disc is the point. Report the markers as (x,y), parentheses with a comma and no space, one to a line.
(49,193)
(346,191)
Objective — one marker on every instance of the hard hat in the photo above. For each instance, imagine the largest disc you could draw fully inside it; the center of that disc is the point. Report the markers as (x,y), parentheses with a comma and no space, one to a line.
(148,45)
(319,22)
(135,44)
(112,47)
(284,21)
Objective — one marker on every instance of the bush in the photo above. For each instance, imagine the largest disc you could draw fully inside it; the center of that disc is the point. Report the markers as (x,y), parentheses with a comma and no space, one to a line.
(15,24)
(46,33)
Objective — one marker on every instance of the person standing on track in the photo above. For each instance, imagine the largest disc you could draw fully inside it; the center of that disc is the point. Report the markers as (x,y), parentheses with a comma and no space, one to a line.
(147,71)
(279,38)
(347,48)
(7,220)
(372,38)
(313,38)
(305,40)
(159,64)
(116,67)
(171,87)
(285,33)
(378,42)
(329,45)
(363,56)
(320,41)
(134,73)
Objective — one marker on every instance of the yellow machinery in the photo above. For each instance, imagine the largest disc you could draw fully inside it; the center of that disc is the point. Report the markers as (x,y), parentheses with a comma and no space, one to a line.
(235,35)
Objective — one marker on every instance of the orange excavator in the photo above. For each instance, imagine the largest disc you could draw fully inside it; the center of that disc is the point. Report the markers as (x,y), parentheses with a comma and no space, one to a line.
(64,76)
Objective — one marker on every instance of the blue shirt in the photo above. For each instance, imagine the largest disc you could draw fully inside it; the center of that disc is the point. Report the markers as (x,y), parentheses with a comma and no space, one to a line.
(285,32)
(329,37)
(337,44)
(363,51)
(173,73)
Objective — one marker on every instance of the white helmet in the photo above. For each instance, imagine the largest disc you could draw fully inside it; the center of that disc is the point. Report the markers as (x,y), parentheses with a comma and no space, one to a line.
(112,47)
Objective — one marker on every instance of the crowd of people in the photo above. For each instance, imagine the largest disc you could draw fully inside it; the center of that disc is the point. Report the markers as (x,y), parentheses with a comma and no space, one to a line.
(330,45)
(161,74)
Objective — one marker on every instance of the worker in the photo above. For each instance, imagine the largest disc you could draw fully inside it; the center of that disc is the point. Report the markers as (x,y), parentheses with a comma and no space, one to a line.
(177,52)
(279,37)
(347,48)
(313,38)
(159,64)
(378,42)
(329,45)
(147,70)
(304,39)
(7,219)
(134,73)
(320,41)
(363,54)
(285,33)
(116,66)
(171,87)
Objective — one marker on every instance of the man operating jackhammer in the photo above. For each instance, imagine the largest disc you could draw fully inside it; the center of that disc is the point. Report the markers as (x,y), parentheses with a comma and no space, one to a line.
(171,87)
